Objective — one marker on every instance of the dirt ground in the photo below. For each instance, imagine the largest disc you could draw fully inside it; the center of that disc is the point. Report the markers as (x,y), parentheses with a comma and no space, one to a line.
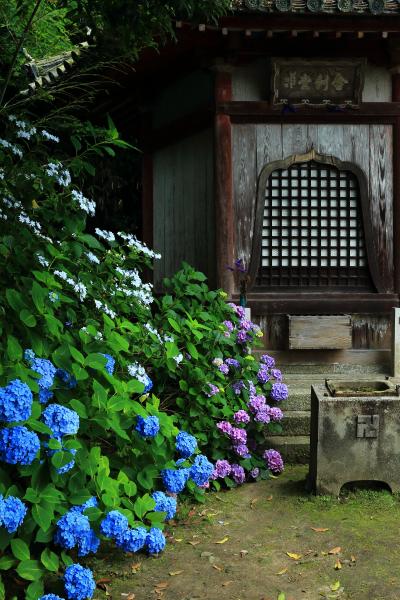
(268,540)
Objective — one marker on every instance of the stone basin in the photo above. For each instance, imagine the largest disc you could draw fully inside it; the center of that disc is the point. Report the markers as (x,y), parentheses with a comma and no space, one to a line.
(354,438)
(351,389)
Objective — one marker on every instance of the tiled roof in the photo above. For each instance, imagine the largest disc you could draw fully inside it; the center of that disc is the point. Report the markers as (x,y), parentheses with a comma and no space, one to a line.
(352,7)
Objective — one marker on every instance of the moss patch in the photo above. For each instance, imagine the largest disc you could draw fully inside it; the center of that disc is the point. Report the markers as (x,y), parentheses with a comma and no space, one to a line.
(357,552)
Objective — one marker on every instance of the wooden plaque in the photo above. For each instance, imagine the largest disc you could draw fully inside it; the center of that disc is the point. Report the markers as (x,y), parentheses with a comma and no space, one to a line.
(320,332)
(317,82)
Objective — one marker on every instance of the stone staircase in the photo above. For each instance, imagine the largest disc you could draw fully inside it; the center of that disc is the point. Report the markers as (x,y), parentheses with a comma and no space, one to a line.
(293,443)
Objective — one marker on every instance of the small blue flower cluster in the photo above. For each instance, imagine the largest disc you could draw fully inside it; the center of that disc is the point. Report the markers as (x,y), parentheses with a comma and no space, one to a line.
(15,402)
(79,582)
(175,480)
(47,372)
(18,445)
(66,378)
(186,444)
(201,470)
(110,364)
(155,541)
(148,427)
(164,503)
(12,513)
(51,597)
(61,420)
(73,530)
(115,526)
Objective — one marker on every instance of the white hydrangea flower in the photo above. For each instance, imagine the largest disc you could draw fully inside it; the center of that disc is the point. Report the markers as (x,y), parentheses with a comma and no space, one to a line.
(49,136)
(2,173)
(93,258)
(41,259)
(11,202)
(14,149)
(178,359)
(133,242)
(57,171)
(88,206)
(25,134)
(169,338)
(106,309)
(3,215)
(217,362)
(105,235)
(34,225)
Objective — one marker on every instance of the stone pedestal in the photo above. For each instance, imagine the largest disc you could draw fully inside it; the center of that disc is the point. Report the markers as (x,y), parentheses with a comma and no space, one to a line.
(353,439)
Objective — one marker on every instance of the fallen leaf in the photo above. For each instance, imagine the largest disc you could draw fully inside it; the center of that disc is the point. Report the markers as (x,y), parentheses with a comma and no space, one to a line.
(194,542)
(226,583)
(253,502)
(269,498)
(173,573)
(131,596)
(281,596)
(205,554)
(217,568)
(162,585)
(243,553)
(320,529)
(178,539)
(221,499)
(294,556)
(335,586)
(338,565)
(282,572)
(136,567)
(225,539)
(192,512)
(335,550)
(103,580)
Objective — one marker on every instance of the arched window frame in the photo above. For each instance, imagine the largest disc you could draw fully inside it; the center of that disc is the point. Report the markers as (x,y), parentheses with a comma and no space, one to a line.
(312,155)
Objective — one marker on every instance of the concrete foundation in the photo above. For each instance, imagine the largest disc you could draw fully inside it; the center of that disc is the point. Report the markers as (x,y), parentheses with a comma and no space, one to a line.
(353,439)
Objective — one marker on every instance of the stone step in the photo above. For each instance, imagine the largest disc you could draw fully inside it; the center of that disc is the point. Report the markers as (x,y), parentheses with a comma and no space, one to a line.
(294,449)
(295,422)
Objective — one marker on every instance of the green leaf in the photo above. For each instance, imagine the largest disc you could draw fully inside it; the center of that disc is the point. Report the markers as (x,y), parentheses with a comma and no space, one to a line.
(192,351)
(20,549)
(30,569)
(35,590)
(281,596)
(50,560)
(14,349)
(38,296)
(80,408)
(174,324)
(32,496)
(143,505)
(67,560)
(42,516)
(27,317)
(39,426)
(14,299)
(96,361)
(6,562)
(76,355)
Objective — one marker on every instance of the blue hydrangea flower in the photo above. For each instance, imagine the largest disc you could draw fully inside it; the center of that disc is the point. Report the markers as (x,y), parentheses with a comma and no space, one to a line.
(15,402)
(69,465)
(51,597)
(61,420)
(110,364)
(186,444)
(155,541)
(79,582)
(45,396)
(164,503)
(91,503)
(71,527)
(12,513)
(175,481)
(114,524)
(46,369)
(88,543)
(201,470)
(132,540)
(18,445)
(29,355)
(148,427)
(148,384)
(66,378)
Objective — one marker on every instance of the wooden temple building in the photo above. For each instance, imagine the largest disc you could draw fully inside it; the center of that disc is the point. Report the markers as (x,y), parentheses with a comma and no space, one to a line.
(274,136)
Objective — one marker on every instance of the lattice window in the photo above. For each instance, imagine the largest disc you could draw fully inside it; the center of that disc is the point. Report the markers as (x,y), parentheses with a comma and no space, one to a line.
(312,229)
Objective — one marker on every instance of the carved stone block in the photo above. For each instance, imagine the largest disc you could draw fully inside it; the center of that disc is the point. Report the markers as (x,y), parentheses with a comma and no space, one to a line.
(367,426)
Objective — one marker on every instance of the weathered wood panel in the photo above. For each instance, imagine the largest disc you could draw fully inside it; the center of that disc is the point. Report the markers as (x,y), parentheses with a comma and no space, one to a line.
(327,332)
(377,85)
(184,224)
(381,194)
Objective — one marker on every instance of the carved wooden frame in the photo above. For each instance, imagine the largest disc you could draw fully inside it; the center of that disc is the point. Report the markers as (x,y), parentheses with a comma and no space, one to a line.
(371,250)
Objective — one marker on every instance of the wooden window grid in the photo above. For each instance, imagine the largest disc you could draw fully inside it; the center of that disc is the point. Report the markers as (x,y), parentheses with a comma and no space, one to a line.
(312,229)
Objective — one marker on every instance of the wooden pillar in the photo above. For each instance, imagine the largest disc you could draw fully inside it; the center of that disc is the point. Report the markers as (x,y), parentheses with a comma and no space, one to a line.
(224,209)
(396,181)
(147,200)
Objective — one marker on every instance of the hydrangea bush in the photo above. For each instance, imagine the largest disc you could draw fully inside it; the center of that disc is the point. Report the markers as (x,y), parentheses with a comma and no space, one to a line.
(87,455)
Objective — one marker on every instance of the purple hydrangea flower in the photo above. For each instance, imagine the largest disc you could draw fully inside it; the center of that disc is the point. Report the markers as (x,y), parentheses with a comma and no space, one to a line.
(222,469)
(275,413)
(262,375)
(254,473)
(238,386)
(268,361)
(262,416)
(277,374)
(252,388)
(225,427)
(229,326)
(238,436)
(242,450)
(279,391)
(274,461)
(256,403)
(224,369)
(213,390)
(239,310)
(238,474)
(232,362)
(241,337)
(245,324)
(241,416)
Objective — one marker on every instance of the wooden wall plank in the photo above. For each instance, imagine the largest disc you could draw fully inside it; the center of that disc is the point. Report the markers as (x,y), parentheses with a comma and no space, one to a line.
(269,145)
(294,139)
(381,194)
